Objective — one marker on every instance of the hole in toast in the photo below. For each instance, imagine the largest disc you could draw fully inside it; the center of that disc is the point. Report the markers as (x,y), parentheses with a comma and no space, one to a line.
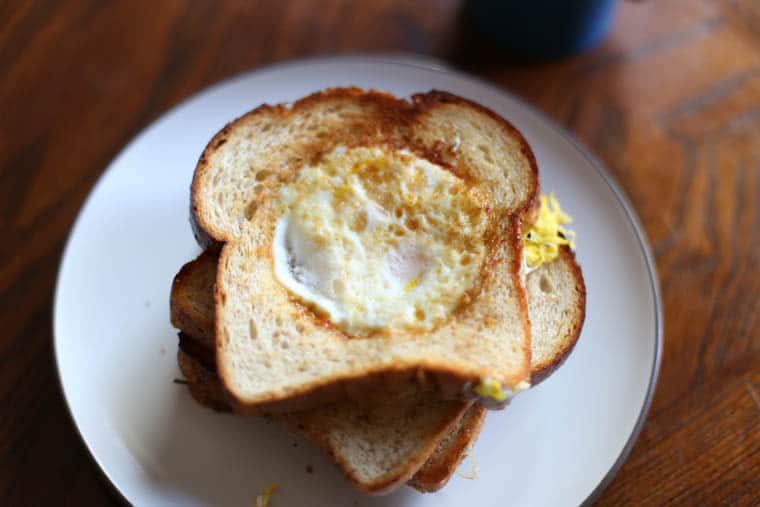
(360,221)
(486,153)
(251,209)
(412,224)
(252,331)
(262,175)
(545,285)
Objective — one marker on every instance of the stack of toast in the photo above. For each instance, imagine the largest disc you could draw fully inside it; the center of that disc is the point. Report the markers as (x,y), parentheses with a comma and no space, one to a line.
(377,273)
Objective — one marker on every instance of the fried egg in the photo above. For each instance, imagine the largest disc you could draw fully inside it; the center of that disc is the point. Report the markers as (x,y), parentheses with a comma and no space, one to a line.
(377,239)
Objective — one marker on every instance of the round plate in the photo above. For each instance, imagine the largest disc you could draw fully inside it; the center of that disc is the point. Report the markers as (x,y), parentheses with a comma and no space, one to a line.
(557,444)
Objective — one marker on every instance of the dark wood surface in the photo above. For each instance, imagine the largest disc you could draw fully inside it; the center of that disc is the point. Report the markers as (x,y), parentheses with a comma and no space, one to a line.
(670,102)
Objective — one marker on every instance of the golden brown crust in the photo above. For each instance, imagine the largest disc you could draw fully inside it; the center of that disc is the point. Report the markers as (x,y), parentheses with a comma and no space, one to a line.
(196,278)
(543,370)
(370,387)
(520,287)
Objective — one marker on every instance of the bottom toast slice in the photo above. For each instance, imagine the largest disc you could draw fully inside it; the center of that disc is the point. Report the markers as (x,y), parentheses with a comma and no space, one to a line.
(429,441)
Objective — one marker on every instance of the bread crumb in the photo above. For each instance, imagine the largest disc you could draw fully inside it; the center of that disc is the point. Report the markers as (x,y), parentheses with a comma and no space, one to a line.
(474,472)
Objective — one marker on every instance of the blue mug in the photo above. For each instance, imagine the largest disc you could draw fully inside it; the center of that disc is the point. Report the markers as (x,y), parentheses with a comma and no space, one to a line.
(543,28)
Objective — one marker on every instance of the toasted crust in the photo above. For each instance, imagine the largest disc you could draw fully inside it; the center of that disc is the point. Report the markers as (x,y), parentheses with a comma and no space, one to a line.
(195,316)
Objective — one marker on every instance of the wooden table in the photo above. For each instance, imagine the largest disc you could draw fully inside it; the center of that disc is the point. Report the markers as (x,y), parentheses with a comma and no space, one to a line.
(670,102)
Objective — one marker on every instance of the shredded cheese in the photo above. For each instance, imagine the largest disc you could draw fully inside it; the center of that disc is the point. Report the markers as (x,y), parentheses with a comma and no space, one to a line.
(474,472)
(412,284)
(544,238)
(490,388)
(266,496)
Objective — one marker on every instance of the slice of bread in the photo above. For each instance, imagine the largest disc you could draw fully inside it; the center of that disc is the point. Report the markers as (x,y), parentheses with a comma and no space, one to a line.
(274,351)
(557,310)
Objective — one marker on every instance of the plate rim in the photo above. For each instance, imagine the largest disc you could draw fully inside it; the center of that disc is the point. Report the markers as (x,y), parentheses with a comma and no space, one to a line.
(429,64)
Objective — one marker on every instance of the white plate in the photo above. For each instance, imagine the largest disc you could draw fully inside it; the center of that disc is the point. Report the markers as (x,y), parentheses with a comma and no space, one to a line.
(557,444)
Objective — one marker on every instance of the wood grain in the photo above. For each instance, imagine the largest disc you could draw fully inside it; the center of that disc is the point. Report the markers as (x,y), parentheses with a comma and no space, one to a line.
(670,102)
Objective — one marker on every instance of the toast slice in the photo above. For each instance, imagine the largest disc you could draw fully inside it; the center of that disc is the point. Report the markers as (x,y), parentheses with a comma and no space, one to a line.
(437,171)
(556,300)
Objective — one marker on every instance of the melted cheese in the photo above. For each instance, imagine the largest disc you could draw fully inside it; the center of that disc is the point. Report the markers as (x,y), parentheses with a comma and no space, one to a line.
(379,240)
(264,499)
(493,393)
